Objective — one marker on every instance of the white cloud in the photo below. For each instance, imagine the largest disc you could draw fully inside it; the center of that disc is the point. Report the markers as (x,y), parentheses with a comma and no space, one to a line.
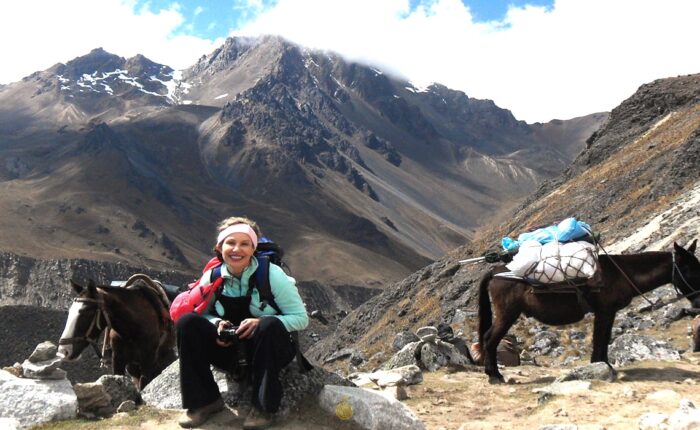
(576,58)
(37,34)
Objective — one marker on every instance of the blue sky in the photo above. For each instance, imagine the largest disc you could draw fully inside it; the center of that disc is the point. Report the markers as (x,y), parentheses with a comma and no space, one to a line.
(215,19)
(543,60)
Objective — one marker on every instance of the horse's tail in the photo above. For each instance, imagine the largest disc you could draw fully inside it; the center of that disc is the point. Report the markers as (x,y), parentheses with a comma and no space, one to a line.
(485,314)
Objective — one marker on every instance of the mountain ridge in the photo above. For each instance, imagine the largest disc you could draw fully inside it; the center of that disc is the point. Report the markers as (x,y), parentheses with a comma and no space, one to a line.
(289,136)
(636,186)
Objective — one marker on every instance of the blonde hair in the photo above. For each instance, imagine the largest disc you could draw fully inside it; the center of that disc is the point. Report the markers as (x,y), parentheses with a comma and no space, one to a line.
(233,221)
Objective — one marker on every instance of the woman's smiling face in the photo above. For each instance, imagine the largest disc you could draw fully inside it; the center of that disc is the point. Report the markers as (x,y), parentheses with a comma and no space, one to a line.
(237,250)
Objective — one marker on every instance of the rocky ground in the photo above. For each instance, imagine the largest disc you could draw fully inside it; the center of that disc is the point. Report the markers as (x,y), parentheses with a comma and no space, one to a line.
(463,399)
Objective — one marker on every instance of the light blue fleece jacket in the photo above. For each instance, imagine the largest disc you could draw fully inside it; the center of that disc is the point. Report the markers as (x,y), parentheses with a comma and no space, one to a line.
(284,290)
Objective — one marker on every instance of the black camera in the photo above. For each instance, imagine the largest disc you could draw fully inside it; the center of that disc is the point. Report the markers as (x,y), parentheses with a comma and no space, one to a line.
(228,334)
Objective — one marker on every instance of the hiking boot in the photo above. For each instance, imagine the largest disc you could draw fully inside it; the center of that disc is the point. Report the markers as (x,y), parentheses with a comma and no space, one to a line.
(197,417)
(257,420)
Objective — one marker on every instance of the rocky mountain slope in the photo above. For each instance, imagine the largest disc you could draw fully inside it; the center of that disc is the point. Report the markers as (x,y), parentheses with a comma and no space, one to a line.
(125,160)
(636,183)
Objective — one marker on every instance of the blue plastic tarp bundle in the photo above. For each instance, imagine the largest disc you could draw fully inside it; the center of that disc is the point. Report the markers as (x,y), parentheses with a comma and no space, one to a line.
(566,231)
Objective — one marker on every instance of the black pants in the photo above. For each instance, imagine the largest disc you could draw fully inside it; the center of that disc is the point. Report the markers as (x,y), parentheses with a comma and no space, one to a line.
(271,349)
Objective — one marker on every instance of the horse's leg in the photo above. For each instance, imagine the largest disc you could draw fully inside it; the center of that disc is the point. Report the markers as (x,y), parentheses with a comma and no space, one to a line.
(602,331)
(119,358)
(492,337)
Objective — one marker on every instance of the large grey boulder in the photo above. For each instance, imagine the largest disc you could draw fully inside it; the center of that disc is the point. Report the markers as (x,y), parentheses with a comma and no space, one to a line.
(33,402)
(402,339)
(368,409)
(632,347)
(164,390)
(407,356)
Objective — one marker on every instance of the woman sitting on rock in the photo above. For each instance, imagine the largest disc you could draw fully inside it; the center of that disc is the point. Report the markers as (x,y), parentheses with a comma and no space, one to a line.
(264,335)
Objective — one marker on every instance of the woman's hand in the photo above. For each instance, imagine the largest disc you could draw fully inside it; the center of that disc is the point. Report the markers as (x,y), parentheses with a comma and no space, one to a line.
(222,325)
(247,328)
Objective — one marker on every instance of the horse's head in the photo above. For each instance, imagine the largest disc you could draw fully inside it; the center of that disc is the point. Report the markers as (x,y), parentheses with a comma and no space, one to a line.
(84,323)
(686,273)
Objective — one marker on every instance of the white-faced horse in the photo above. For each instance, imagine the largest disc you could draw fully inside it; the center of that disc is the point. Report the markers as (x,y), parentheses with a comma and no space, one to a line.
(139,328)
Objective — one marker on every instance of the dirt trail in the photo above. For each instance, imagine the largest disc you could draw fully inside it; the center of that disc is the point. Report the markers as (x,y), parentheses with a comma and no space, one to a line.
(465,400)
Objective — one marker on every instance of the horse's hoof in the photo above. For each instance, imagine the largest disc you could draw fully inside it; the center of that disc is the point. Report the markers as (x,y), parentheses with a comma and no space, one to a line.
(496,379)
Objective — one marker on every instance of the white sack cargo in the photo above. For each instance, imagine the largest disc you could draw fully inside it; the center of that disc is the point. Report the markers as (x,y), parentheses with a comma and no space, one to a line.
(554,262)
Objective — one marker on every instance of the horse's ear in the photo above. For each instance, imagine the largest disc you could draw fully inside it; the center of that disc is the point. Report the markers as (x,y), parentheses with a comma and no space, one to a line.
(679,249)
(76,286)
(692,246)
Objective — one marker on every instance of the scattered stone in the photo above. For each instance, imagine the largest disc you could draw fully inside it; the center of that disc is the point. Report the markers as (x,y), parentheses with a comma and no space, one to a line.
(319,316)
(43,352)
(47,369)
(411,374)
(397,392)
(15,369)
(427,333)
(459,317)
(631,347)
(430,357)
(340,355)
(403,338)
(357,358)
(664,396)
(388,379)
(594,371)
(407,356)
(407,375)
(652,421)
(687,417)
(126,406)
(445,332)
(565,388)
(544,342)
(368,409)
(558,427)
(120,388)
(92,398)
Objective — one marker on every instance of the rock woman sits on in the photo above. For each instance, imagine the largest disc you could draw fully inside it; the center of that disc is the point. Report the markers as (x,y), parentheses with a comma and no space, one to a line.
(263,334)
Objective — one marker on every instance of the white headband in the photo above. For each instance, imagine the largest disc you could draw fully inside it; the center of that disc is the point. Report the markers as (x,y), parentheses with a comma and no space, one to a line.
(238,228)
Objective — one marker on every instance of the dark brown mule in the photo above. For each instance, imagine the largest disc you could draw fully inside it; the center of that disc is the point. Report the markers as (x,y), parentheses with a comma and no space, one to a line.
(604,294)
(140,330)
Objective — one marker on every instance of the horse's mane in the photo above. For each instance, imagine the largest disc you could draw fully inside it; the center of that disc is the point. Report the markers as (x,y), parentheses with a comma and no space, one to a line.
(641,257)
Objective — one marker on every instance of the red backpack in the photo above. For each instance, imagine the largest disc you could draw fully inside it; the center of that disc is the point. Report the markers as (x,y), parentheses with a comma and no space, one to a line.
(197,298)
